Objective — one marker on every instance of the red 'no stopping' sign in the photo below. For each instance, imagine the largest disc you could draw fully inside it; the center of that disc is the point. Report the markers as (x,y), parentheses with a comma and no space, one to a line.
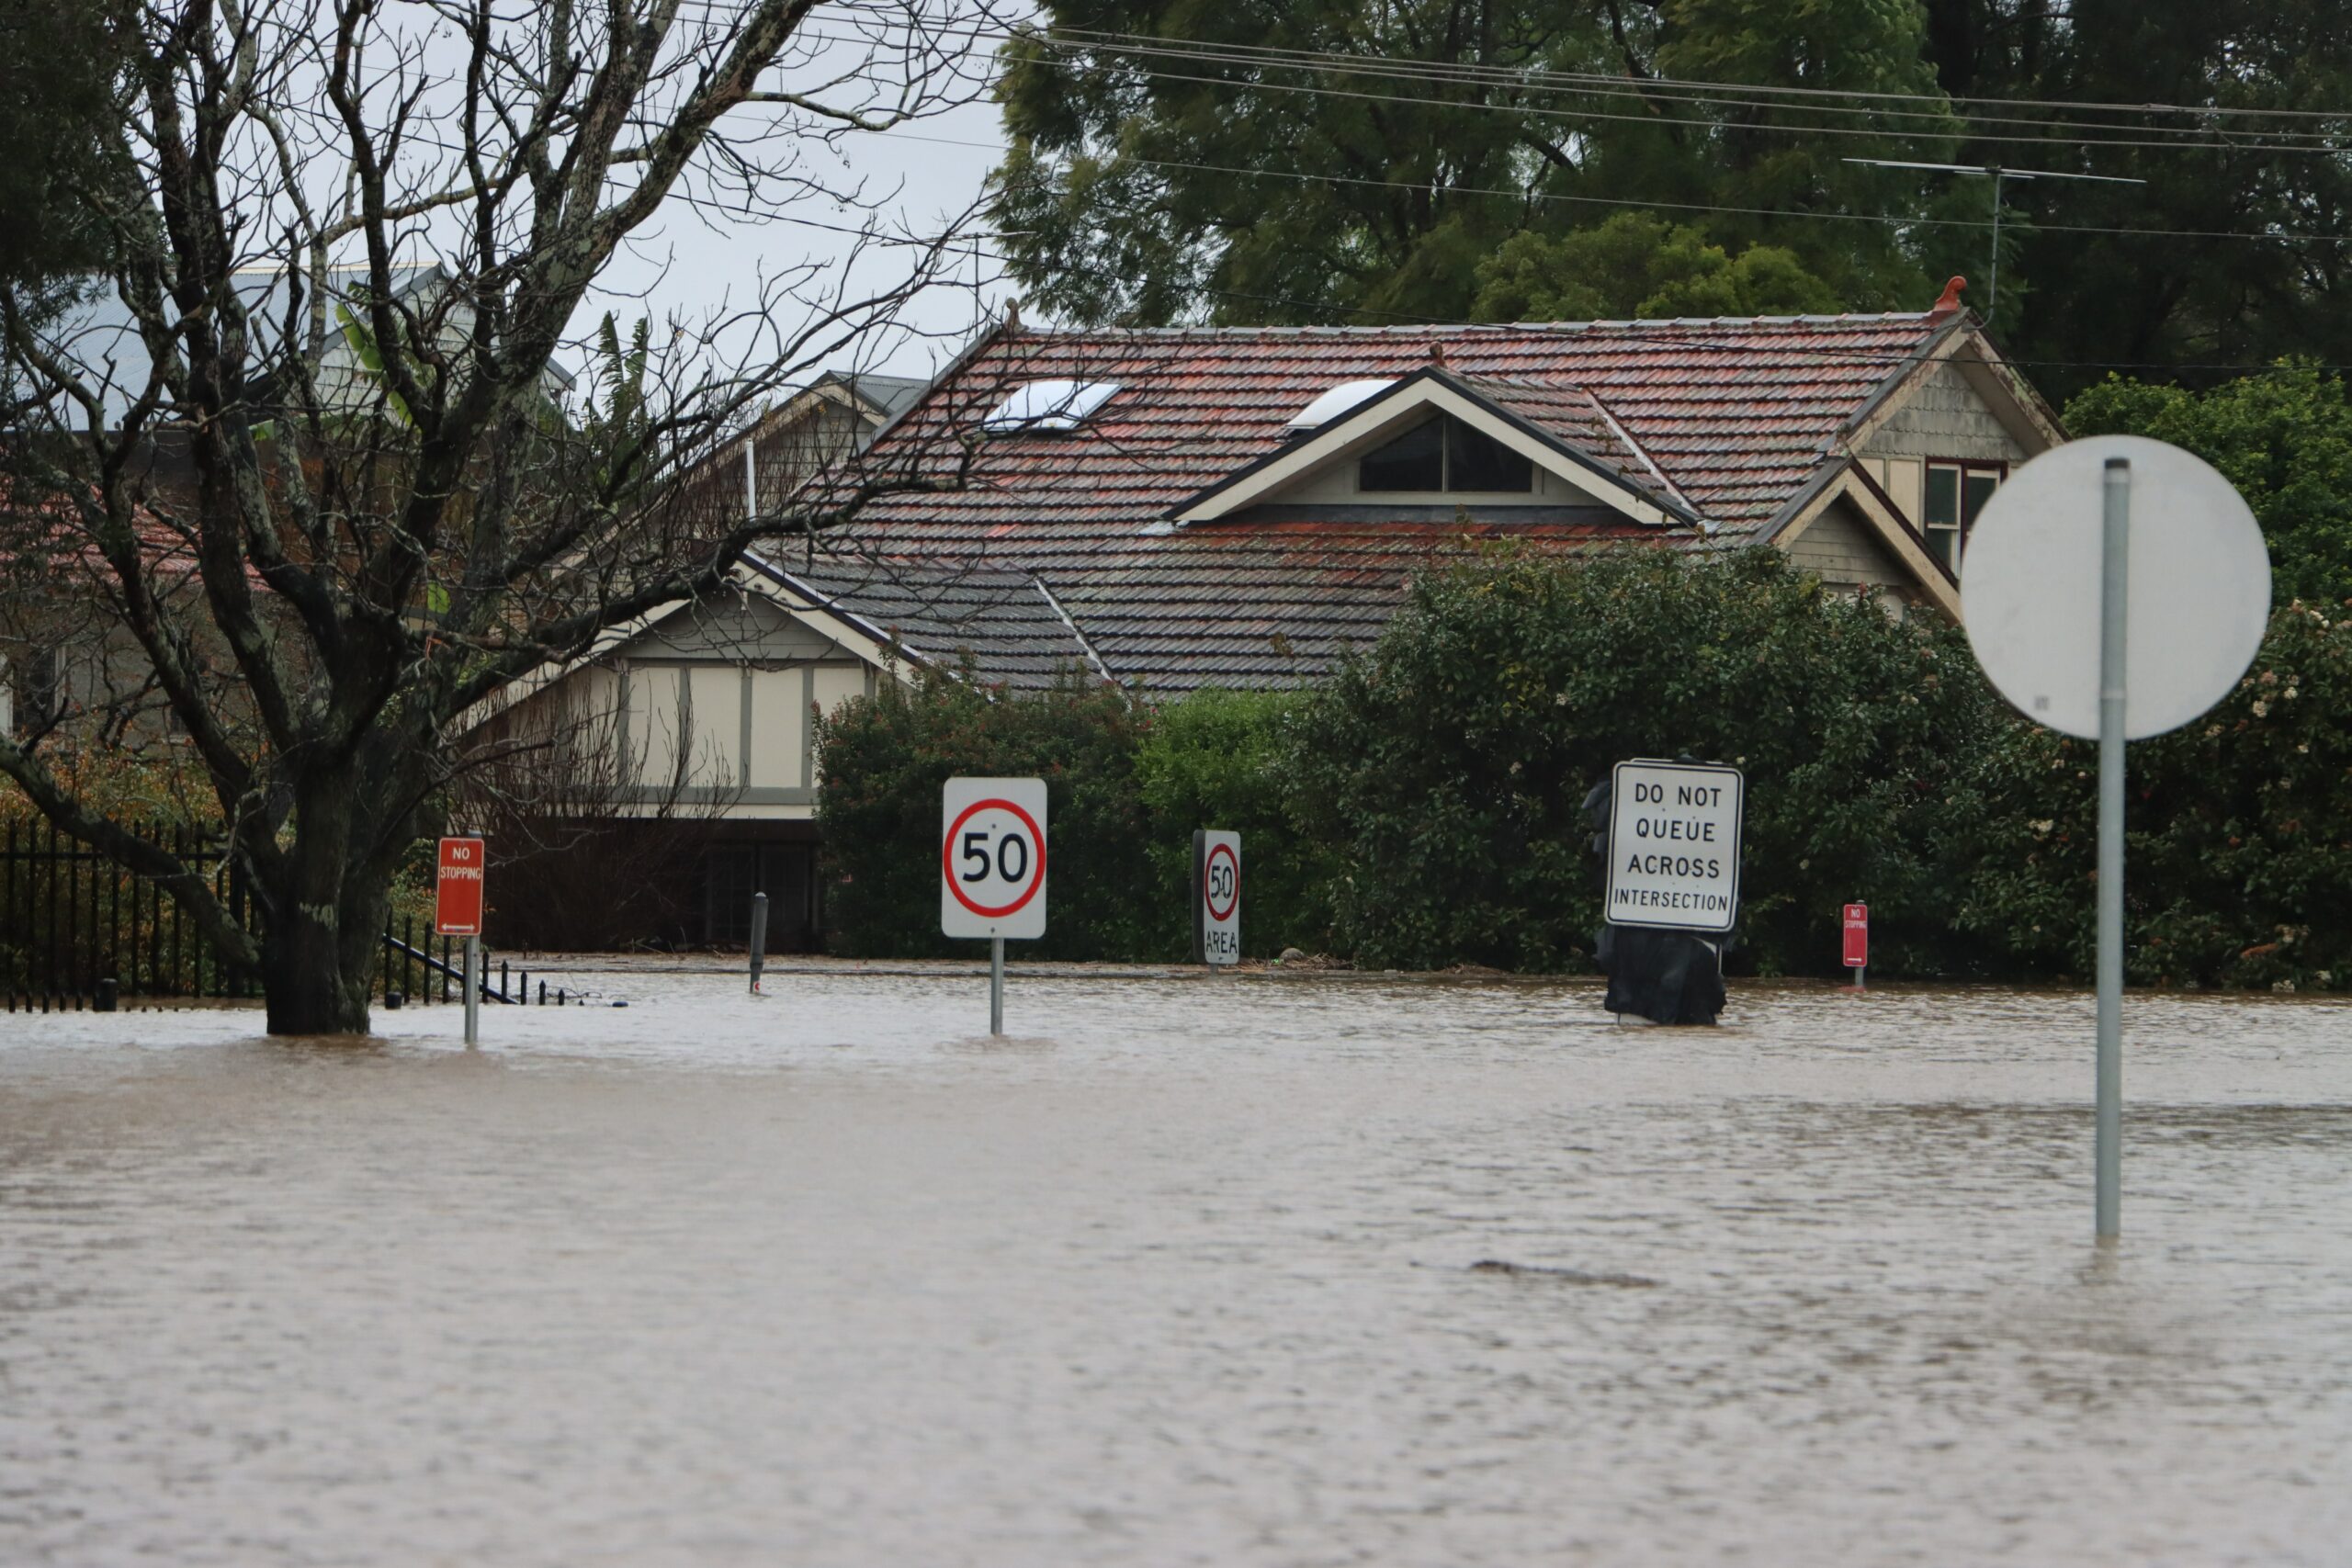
(458,889)
(1858,935)
(995,859)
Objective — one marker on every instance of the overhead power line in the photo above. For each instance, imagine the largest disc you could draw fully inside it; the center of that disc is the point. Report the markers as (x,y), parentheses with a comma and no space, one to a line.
(1709,94)
(1525,196)
(1952,128)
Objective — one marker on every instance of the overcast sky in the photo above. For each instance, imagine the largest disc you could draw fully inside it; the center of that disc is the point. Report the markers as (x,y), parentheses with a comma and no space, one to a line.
(917,177)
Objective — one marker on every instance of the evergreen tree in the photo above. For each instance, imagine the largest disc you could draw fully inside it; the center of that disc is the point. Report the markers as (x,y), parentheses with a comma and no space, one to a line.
(60,62)
(1169,167)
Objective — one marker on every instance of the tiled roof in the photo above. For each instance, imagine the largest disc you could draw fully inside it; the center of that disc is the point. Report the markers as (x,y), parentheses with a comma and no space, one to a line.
(1004,621)
(1729,418)
(1574,417)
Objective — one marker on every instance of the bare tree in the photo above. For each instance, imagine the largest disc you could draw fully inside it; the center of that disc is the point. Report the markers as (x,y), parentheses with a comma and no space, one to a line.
(354,246)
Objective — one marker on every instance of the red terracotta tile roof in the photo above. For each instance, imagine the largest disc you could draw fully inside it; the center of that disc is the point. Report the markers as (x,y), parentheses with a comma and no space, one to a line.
(1730,419)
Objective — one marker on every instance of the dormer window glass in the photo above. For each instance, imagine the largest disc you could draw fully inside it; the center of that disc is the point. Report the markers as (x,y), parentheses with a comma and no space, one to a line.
(1443,454)
(1047,405)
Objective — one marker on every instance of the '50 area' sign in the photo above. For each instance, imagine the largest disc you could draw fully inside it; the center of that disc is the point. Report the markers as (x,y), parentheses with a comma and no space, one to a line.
(992,858)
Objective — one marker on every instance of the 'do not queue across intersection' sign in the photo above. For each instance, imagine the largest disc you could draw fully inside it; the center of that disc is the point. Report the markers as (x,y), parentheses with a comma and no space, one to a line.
(1674,846)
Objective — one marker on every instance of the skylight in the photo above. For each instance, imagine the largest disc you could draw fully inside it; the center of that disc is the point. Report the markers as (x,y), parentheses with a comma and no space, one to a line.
(1049,405)
(1335,403)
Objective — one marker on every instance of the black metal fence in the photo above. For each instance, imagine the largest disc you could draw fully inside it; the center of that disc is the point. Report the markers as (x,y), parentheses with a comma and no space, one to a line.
(76,928)
(69,919)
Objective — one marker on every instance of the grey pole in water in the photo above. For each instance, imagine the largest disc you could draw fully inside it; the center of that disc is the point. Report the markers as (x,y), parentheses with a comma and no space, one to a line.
(473,990)
(2114,531)
(996,985)
(759,937)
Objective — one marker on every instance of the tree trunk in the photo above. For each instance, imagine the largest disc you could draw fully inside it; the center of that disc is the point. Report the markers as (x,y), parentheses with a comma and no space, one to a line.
(326,918)
(306,977)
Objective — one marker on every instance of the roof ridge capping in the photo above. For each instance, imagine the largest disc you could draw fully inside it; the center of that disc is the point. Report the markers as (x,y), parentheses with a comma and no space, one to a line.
(1426,329)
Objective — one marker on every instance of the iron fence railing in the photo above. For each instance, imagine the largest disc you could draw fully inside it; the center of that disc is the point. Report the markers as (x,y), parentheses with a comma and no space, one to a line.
(79,931)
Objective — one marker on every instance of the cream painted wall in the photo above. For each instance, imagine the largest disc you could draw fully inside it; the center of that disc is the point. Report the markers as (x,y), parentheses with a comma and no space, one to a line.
(778,733)
(716,758)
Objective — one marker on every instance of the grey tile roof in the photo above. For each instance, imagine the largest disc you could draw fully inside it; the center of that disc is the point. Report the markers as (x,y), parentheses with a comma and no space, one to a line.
(1004,622)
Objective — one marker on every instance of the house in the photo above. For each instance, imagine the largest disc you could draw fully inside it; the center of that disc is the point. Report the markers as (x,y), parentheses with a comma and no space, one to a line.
(1171,509)
(65,653)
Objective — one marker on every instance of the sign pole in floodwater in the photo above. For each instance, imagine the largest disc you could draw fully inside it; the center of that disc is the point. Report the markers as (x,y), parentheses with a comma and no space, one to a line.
(759,938)
(992,869)
(473,990)
(2114,606)
(2050,603)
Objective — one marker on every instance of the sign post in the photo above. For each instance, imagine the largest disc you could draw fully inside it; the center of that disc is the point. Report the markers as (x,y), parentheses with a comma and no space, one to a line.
(1858,942)
(2050,600)
(1217,897)
(992,869)
(456,911)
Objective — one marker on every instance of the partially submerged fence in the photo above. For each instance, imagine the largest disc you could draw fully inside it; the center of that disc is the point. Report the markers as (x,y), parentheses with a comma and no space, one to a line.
(69,919)
(78,930)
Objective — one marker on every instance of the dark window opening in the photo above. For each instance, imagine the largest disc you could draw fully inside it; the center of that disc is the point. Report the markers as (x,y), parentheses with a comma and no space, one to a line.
(1956,493)
(1415,460)
(1475,460)
(1445,455)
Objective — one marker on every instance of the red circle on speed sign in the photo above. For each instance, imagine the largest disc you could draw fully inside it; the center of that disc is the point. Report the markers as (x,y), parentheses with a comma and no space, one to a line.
(947,858)
(1210,882)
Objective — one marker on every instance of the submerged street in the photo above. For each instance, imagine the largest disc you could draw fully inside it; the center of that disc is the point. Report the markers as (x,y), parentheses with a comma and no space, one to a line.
(1272,1271)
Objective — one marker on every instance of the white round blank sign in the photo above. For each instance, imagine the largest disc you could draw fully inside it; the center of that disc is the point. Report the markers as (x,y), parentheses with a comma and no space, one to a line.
(2198,589)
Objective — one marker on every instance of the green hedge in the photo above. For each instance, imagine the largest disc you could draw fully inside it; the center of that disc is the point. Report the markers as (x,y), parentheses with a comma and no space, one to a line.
(1126,784)
(882,760)
(1422,808)
(2238,868)
(1452,764)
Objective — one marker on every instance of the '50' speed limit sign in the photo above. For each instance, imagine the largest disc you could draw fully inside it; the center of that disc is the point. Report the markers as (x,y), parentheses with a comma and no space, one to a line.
(992,858)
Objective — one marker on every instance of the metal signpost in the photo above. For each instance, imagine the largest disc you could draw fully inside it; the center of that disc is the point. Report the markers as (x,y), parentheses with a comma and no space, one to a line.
(992,869)
(1674,846)
(1217,897)
(1858,942)
(2050,599)
(456,911)
(759,938)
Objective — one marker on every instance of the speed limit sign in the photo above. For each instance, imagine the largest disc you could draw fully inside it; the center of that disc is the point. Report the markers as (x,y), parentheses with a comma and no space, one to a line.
(992,858)
(1217,897)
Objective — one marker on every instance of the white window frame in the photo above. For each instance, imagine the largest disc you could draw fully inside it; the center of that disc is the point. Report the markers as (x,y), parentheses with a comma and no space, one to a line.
(1961,467)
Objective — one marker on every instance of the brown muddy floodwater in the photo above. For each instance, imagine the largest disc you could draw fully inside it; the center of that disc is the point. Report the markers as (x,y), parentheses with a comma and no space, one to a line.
(1186,1272)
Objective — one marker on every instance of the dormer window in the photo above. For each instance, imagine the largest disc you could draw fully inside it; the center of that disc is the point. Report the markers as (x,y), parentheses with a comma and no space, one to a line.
(1445,454)
(1047,405)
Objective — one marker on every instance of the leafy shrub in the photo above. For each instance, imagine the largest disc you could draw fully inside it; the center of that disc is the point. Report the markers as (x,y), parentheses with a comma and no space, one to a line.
(1222,759)
(1450,764)
(2238,858)
(2283,437)
(882,761)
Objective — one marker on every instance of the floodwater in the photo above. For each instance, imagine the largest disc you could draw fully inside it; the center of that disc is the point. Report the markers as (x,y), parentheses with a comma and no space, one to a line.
(1242,1271)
